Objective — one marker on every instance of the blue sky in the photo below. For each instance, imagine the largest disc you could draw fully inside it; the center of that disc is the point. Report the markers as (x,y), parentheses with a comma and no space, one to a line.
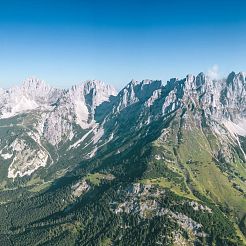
(65,42)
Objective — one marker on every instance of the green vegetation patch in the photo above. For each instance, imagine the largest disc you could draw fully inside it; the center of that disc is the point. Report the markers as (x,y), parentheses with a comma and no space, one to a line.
(97,178)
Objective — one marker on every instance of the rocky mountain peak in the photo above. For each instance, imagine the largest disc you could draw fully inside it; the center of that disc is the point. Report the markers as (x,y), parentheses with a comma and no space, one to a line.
(34,83)
(39,91)
(97,92)
(137,91)
(236,81)
(200,79)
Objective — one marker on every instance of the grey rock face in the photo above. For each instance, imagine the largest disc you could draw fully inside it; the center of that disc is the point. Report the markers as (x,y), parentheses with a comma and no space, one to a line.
(90,115)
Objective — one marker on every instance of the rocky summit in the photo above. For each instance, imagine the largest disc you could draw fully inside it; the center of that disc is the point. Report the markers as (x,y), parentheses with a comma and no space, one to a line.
(154,164)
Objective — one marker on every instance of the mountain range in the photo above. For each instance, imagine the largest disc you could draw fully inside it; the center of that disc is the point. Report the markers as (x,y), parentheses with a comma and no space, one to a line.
(155,163)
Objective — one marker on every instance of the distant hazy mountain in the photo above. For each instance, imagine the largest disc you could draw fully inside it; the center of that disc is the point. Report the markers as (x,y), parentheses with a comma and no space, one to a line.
(153,164)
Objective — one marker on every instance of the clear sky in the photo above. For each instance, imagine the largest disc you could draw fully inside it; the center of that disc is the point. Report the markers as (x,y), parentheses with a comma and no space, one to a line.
(65,42)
